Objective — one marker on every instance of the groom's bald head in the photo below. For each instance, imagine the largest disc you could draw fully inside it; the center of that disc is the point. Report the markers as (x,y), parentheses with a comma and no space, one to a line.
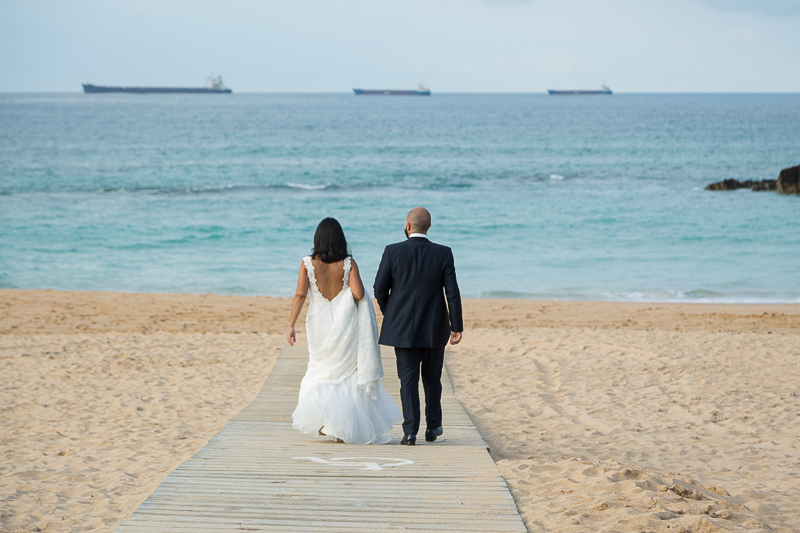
(419,219)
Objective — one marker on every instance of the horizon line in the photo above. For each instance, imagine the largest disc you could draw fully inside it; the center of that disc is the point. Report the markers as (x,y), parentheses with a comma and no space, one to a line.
(350,92)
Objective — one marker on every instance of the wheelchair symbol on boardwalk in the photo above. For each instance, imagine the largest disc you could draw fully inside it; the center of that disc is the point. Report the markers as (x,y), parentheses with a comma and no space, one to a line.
(371,465)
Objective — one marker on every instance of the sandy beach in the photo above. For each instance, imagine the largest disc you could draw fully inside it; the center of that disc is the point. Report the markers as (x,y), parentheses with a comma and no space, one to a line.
(601,416)
(104,394)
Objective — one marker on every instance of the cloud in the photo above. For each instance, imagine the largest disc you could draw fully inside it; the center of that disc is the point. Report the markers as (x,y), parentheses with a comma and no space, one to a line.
(768,8)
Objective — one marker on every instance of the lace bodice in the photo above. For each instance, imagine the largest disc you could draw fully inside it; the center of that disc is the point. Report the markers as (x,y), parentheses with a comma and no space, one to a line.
(312,278)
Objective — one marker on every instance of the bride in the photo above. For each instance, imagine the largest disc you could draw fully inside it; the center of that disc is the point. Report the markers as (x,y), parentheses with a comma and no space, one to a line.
(341,394)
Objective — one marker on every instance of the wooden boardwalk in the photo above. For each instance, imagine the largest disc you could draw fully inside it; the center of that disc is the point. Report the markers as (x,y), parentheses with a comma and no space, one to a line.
(259,474)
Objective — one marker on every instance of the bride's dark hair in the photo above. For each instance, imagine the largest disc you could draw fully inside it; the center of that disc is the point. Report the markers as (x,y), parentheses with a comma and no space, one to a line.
(329,242)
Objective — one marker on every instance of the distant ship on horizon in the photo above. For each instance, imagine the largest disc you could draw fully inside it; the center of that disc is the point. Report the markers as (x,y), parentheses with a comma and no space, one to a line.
(213,85)
(604,89)
(420,91)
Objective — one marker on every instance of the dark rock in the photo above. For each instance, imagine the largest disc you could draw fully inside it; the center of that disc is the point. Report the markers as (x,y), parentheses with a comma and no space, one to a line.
(732,185)
(789,181)
(763,185)
(725,185)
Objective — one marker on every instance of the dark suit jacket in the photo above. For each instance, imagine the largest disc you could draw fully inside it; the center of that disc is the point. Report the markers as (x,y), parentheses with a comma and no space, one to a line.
(408,288)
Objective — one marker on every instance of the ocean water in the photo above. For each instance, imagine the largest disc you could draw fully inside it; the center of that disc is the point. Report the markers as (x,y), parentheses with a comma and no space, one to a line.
(593,198)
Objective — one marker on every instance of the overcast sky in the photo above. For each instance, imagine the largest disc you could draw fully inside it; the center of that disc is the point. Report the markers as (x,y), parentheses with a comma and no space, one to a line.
(452,46)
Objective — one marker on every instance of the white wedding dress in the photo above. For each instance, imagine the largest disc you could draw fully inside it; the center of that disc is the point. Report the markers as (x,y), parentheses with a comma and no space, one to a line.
(341,392)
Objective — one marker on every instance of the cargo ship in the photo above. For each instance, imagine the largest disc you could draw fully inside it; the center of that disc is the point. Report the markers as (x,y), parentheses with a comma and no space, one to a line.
(604,89)
(420,91)
(213,85)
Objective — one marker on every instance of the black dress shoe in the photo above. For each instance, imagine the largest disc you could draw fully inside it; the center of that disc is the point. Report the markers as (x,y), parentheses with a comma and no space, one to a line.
(431,434)
(409,440)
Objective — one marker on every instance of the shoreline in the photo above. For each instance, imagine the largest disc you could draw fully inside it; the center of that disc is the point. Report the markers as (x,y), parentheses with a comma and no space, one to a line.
(45,310)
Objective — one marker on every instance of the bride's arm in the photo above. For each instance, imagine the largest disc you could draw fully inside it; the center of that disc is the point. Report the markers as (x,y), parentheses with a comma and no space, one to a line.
(356,286)
(297,303)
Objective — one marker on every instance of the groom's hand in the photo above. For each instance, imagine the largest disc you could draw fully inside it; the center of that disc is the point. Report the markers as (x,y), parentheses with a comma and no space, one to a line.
(455,337)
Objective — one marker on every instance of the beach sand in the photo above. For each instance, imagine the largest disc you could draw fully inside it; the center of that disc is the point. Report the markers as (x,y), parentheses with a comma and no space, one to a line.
(601,416)
(104,394)
(640,417)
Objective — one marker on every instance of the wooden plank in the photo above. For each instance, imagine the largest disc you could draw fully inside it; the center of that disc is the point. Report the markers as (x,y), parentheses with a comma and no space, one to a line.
(259,474)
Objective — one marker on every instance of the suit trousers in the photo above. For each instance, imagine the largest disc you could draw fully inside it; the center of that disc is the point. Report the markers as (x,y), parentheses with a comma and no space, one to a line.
(409,363)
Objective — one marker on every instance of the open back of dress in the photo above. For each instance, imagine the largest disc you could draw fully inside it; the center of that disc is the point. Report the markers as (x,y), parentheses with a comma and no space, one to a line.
(341,393)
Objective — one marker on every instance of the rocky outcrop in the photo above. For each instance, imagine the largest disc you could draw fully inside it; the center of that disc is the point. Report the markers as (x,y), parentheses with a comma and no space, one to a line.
(789,181)
(732,185)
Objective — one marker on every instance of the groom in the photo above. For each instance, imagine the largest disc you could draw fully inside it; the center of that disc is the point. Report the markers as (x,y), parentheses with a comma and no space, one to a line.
(416,320)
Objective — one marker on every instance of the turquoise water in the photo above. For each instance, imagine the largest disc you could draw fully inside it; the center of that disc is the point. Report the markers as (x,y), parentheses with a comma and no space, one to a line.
(544,197)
